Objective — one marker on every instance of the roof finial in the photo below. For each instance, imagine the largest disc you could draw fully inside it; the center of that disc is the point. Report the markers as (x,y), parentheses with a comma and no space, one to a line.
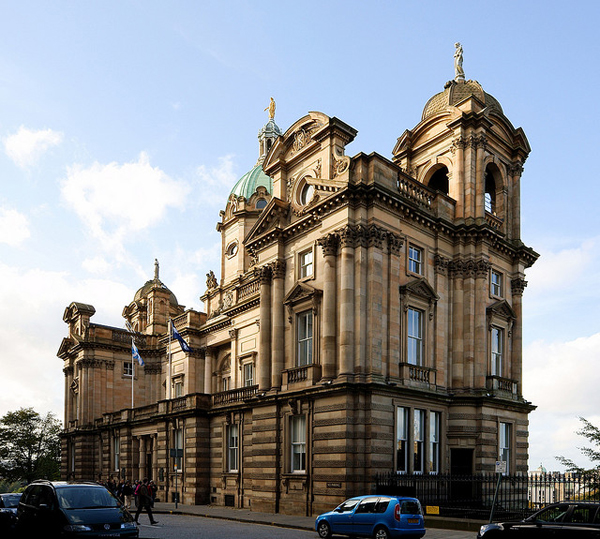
(459,74)
(156,268)
(271,109)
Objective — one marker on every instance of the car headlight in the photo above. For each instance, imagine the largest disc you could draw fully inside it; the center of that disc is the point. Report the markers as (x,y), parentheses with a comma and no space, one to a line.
(487,527)
(128,525)
(78,528)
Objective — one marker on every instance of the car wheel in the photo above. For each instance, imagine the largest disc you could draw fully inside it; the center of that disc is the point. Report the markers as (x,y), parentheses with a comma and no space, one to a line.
(381,533)
(324,530)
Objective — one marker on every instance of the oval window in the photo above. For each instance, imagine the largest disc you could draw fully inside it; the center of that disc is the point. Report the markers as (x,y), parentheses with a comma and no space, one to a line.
(261,203)
(232,249)
(306,194)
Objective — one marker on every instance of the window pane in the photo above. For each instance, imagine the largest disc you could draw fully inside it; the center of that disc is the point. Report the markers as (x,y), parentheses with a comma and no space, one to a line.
(306,264)
(418,435)
(305,338)
(232,447)
(298,443)
(415,259)
(434,442)
(401,439)
(415,337)
(497,345)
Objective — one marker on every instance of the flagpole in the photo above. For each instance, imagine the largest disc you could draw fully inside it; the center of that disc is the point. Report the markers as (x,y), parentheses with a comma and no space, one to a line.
(170,360)
(132,373)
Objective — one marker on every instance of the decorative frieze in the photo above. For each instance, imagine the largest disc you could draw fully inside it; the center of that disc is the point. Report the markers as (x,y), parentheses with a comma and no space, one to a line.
(469,268)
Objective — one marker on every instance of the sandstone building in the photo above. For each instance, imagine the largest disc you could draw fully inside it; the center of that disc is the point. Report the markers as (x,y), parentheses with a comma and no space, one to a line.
(367,318)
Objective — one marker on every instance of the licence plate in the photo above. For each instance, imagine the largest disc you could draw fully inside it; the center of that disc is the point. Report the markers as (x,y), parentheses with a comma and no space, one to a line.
(412,520)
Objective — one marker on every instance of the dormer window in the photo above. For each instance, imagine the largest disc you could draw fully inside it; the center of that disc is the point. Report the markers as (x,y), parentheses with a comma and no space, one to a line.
(261,203)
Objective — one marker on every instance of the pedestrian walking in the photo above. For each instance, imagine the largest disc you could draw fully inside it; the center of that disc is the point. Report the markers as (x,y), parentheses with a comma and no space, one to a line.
(127,494)
(144,501)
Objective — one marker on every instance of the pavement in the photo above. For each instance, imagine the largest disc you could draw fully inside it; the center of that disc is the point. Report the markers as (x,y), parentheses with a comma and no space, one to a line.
(436,528)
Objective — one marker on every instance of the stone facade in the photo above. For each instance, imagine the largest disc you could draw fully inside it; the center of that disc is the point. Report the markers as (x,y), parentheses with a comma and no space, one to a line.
(367,318)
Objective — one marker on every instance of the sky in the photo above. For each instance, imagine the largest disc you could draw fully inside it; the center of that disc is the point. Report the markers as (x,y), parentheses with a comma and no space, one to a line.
(125,124)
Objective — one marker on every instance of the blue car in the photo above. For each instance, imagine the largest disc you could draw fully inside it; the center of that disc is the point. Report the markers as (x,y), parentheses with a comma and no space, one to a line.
(380,517)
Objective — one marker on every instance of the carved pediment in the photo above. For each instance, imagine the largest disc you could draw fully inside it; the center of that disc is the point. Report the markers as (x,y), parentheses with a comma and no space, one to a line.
(501,309)
(419,288)
(302,292)
(274,216)
(65,347)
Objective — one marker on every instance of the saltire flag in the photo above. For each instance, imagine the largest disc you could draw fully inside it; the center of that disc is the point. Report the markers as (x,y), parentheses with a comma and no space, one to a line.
(135,354)
(184,346)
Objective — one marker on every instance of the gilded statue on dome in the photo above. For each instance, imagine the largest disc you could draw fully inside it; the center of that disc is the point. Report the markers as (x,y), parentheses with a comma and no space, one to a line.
(271,109)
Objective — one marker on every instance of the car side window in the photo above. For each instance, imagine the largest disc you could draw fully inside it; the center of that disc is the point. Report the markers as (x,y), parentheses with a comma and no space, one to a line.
(582,514)
(555,513)
(366,506)
(382,505)
(347,506)
(32,496)
(47,497)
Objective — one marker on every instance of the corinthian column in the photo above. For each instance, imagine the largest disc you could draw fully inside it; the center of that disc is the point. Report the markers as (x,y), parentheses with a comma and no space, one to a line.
(481,273)
(264,344)
(277,348)
(347,237)
(329,245)
(517,286)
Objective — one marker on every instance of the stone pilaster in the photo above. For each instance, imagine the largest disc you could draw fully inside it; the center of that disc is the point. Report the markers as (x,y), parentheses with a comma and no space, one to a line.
(482,269)
(514,213)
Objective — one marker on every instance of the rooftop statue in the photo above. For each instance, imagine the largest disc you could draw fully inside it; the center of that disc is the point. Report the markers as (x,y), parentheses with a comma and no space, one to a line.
(271,109)
(459,74)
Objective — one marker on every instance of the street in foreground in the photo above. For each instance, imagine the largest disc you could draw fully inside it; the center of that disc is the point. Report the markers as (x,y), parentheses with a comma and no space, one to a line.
(193,527)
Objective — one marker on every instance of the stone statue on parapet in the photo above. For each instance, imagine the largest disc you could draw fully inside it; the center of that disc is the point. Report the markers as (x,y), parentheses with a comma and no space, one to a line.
(459,74)
(211,280)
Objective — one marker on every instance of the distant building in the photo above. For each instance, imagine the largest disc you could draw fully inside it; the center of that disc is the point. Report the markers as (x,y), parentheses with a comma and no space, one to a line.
(367,317)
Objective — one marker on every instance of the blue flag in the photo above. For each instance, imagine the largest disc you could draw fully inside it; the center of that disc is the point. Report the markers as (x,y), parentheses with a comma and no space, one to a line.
(184,346)
(135,354)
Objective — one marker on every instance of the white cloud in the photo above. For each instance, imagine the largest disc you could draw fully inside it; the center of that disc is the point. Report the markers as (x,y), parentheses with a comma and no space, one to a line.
(216,182)
(561,379)
(27,146)
(116,201)
(14,227)
(31,308)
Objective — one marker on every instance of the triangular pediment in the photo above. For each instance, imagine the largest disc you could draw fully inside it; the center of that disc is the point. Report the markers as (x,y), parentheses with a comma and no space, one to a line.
(300,292)
(274,216)
(65,347)
(421,289)
(502,309)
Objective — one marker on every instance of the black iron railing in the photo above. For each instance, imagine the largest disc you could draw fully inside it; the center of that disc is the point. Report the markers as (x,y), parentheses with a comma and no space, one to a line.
(471,496)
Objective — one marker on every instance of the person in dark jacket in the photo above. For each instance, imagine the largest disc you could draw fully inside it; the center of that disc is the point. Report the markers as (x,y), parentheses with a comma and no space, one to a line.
(144,501)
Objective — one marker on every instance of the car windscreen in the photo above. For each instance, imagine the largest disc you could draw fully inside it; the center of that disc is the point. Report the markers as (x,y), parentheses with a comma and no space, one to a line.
(85,498)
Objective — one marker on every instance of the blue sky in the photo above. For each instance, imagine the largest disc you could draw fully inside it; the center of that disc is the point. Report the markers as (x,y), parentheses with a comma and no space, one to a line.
(124,125)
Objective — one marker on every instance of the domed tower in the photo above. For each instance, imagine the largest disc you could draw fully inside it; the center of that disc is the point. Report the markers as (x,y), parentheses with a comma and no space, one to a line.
(248,198)
(466,148)
(152,306)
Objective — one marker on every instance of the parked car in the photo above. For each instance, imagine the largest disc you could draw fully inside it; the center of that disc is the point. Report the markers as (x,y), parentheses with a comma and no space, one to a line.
(10,500)
(569,519)
(380,517)
(8,512)
(60,509)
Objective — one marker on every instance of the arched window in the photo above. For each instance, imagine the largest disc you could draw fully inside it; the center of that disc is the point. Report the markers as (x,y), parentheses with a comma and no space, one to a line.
(490,191)
(439,180)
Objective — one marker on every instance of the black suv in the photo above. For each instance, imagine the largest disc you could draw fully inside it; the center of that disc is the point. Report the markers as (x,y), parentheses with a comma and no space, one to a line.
(59,509)
(569,519)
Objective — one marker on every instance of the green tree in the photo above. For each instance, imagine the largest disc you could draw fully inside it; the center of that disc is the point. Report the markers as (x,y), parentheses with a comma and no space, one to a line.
(592,433)
(29,446)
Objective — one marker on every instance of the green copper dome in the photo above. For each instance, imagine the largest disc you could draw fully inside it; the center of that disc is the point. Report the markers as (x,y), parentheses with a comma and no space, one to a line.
(249,182)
